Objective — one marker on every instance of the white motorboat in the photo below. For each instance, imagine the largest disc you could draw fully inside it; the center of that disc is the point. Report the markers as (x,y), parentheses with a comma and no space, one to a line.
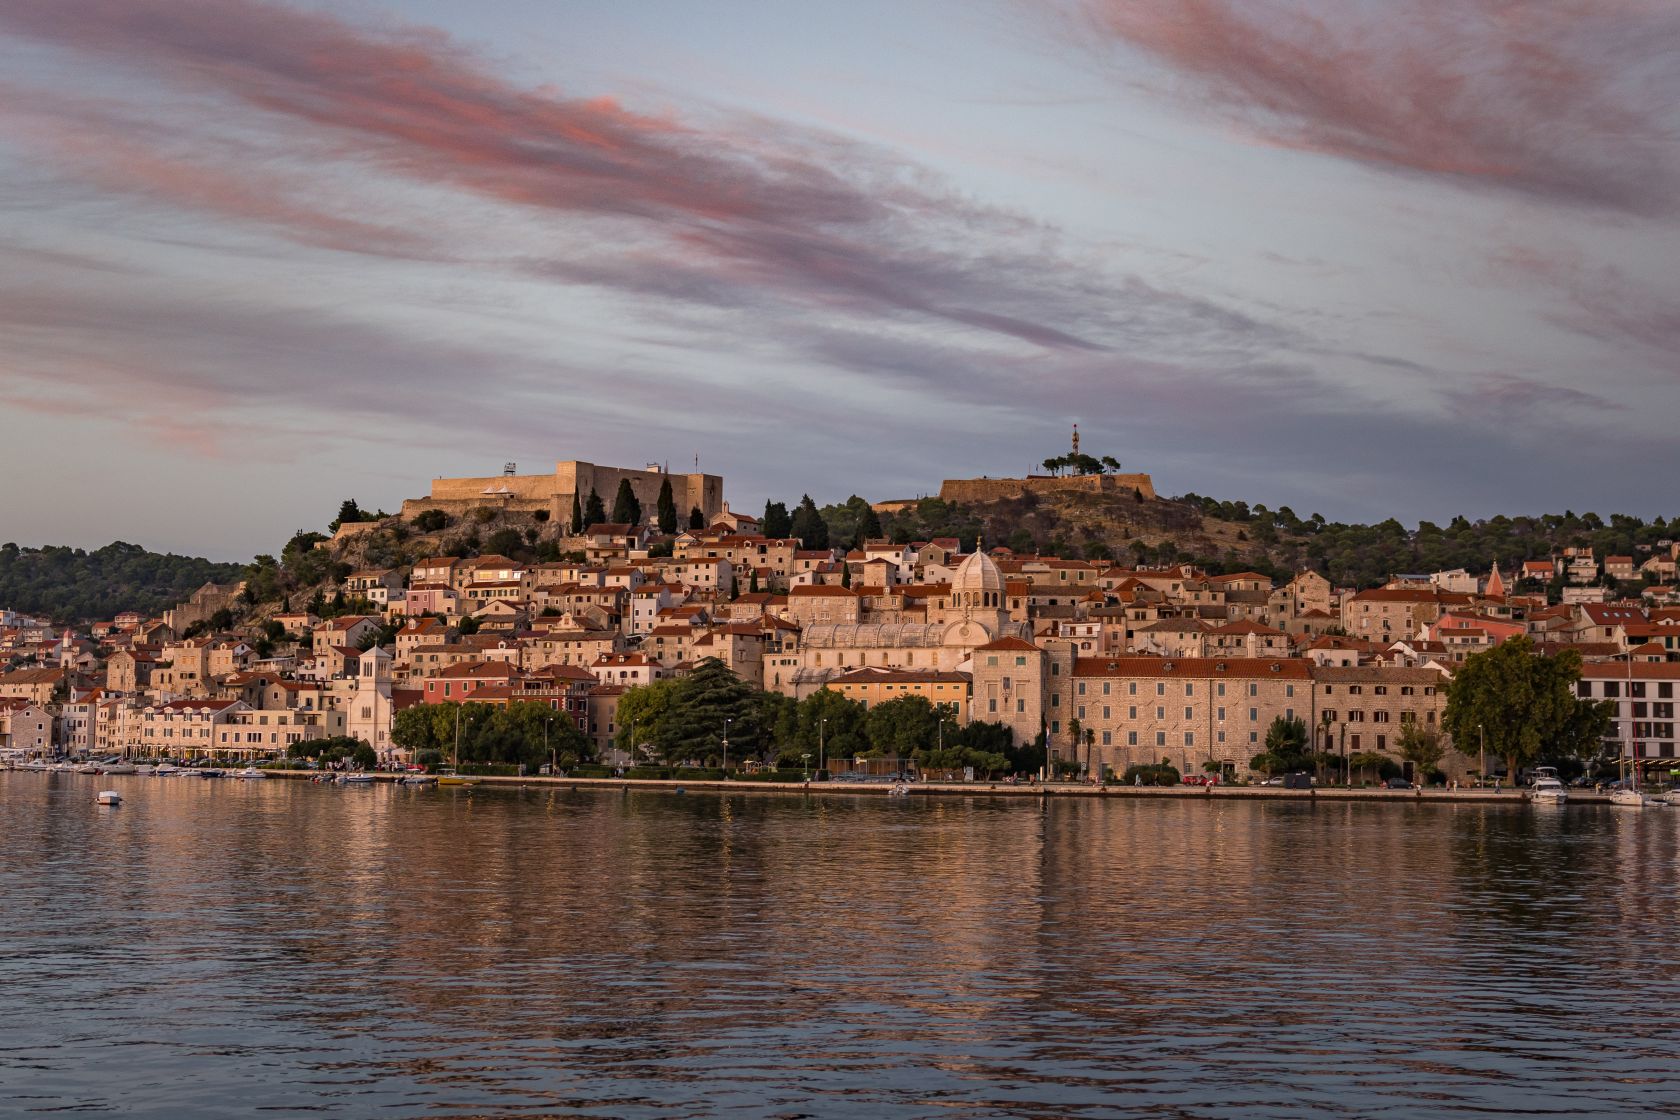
(249,773)
(355,779)
(108,797)
(118,767)
(166,770)
(1630,798)
(34,764)
(899,789)
(145,769)
(1549,791)
(1672,797)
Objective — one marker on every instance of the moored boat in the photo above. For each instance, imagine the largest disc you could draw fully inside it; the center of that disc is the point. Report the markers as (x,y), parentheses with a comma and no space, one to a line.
(355,779)
(118,767)
(108,797)
(249,773)
(1627,797)
(1549,791)
(166,769)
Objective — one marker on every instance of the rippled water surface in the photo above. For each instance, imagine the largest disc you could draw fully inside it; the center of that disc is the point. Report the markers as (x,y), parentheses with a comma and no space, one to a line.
(220,949)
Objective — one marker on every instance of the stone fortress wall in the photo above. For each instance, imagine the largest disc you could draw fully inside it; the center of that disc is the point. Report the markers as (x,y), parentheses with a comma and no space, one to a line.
(527,493)
(992,489)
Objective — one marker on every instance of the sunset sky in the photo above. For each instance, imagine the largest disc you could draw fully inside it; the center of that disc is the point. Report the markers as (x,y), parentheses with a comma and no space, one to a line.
(1397,258)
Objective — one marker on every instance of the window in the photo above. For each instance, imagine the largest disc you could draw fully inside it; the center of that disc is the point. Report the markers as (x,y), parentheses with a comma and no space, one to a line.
(1081,711)
(1221,715)
(1105,711)
(1160,738)
(1612,689)
(1189,738)
(1160,688)
(1108,738)
(1254,715)
(1133,688)
(1021,704)
(1189,688)
(1081,689)
(1131,713)
(1221,688)
(1329,715)
(991,705)
(1289,690)
(1253,689)
(1160,712)
(1189,713)
(1105,688)
(1055,727)
(1131,738)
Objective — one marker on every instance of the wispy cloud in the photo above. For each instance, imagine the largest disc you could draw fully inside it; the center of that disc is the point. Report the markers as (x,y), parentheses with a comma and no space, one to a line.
(1573,101)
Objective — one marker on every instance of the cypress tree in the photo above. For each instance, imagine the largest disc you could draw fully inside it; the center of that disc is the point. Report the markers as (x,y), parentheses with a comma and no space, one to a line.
(696,519)
(577,515)
(626,509)
(667,508)
(594,513)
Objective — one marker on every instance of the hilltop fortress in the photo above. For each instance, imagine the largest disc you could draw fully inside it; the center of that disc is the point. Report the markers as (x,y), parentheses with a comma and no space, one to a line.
(527,493)
(1094,476)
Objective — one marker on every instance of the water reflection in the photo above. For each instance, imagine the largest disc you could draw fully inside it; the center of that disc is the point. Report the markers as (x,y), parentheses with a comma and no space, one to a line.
(215,948)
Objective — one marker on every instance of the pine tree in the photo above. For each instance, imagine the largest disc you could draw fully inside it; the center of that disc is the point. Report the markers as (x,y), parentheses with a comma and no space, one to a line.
(577,515)
(626,509)
(869,526)
(696,519)
(667,508)
(594,513)
(777,525)
(809,526)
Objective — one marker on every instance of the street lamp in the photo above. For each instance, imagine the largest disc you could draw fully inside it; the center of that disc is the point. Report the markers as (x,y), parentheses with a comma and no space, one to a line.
(822,753)
(726,748)
(553,761)
(806,759)
(1481,775)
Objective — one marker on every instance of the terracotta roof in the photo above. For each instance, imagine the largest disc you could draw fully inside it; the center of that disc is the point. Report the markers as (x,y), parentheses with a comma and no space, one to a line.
(1009,644)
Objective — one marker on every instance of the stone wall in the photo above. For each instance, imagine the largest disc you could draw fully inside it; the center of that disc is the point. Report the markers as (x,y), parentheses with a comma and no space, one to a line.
(528,493)
(992,489)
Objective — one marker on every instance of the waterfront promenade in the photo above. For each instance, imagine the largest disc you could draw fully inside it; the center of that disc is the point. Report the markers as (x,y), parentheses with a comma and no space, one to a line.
(1016,789)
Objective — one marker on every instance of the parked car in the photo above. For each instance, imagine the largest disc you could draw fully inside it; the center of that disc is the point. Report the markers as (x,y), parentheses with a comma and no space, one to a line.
(1298,780)
(1397,783)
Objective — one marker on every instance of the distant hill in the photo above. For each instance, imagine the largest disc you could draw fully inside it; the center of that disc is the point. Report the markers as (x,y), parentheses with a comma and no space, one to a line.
(1234,536)
(74,585)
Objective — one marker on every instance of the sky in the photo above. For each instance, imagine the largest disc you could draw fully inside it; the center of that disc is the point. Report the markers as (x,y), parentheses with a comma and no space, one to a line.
(1410,258)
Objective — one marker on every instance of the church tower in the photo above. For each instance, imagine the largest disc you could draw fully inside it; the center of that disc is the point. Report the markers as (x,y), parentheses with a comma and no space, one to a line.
(1076,441)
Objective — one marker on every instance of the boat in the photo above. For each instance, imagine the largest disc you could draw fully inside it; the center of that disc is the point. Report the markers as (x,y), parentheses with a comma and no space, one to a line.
(450,778)
(249,773)
(108,797)
(166,770)
(34,764)
(899,789)
(1628,797)
(118,767)
(210,772)
(1549,791)
(145,770)
(355,779)
(420,780)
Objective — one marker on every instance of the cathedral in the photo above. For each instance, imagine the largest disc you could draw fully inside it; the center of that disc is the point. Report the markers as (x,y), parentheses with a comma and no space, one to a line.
(969,614)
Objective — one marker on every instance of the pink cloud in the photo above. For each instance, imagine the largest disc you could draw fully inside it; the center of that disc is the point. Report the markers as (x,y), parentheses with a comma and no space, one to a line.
(1567,100)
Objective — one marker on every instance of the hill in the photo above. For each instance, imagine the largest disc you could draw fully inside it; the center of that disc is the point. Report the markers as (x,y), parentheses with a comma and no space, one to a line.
(73,585)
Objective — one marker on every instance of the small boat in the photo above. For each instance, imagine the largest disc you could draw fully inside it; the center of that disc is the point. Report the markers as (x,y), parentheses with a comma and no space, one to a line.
(34,764)
(166,770)
(108,797)
(145,770)
(1629,798)
(899,789)
(1672,797)
(451,778)
(118,768)
(355,779)
(1549,791)
(249,773)
(211,772)
(420,780)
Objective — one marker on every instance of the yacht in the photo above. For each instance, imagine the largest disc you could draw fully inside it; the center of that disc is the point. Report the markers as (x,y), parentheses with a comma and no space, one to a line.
(1549,791)
(166,769)
(1627,796)
(249,773)
(118,766)
(1672,797)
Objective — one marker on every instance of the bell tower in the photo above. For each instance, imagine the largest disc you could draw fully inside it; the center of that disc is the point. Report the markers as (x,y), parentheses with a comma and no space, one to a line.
(1076,441)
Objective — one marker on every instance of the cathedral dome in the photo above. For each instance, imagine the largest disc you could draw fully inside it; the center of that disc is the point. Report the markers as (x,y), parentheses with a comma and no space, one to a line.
(977,583)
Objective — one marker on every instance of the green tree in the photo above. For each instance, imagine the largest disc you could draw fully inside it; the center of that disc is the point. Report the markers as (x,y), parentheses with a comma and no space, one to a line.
(1286,739)
(776,524)
(809,526)
(594,512)
(1422,747)
(696,519)
(1525,705)
(627,509)
(666,508)
(431,520)
(577,515)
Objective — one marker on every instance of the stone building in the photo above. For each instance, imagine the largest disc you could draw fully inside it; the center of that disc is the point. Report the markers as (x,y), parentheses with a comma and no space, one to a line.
(572,478)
